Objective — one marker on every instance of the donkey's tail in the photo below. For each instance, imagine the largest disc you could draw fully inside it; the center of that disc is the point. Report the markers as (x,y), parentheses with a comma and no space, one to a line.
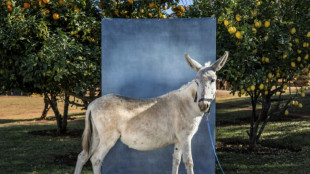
(87,131)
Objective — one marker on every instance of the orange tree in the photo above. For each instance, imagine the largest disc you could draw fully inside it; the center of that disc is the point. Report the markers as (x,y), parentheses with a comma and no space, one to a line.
(51,47)
(269,51)
(138,9)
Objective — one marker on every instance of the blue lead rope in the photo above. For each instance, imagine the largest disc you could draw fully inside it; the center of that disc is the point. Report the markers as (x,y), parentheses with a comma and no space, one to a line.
(212,143)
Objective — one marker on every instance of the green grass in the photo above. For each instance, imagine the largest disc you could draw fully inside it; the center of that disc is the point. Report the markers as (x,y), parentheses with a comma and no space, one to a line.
(284,145)
(22,152)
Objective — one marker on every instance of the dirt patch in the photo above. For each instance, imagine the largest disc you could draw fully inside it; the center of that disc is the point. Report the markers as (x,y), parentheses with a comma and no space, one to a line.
(53,133)
(223,94)
(68,159)
(261,149)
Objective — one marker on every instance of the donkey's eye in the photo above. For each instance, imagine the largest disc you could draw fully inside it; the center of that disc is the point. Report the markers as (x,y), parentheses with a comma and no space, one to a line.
(212,80)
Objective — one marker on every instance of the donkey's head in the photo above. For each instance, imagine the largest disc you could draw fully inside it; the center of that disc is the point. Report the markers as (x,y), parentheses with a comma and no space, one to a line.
(206,80)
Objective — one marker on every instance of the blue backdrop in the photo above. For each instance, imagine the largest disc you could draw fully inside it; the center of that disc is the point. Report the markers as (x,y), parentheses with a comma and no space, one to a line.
(145,58)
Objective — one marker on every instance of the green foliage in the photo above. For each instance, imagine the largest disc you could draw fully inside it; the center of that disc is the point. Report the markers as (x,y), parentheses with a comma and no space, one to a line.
(137,9)
(41,52)
(263,31)
(269,51)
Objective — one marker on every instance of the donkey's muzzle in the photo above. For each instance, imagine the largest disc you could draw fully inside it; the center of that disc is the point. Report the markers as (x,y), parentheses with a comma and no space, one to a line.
(204,106)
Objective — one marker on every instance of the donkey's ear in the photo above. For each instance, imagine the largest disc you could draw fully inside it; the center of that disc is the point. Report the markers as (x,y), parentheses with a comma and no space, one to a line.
(220,62)
(192,63)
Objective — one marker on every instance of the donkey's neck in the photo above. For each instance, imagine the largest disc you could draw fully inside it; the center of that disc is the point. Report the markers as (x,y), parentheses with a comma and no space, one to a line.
(186,95)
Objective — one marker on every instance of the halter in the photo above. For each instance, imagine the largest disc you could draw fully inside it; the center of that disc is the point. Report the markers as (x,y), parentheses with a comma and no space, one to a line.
(204,99)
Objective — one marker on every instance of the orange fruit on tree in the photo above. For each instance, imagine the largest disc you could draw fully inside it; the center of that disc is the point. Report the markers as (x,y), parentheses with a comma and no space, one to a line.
(238,17)
(232,30)
(286,112)
(26,5)
(41,5)
(72,5)
(46,12)
(270,75)
(151,5)
(179,14)
(296,40)
(116,12)
(61,2)
(100,5)
(267,24)
(238,35)
(46,1)
(55,16)
(298,59)
(181,8)
(293,31)
(10,9)
(130,2)
(258,3)
(252,87)
(8,3)
(164,7)
(174,9)
(226,22)
(257,23)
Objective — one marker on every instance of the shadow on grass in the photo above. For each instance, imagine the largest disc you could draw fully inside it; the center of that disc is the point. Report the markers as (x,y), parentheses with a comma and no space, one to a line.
(243,102)
(28,153)
(237,117)
(70,117)
(4,121)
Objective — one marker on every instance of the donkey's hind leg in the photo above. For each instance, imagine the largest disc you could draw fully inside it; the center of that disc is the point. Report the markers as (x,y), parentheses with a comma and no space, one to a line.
(82,159)
(106,142)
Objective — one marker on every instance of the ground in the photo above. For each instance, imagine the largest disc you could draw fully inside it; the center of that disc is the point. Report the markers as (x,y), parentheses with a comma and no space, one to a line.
(29,145)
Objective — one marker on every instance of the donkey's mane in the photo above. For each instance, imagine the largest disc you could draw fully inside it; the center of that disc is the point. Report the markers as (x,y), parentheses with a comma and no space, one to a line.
(185,86)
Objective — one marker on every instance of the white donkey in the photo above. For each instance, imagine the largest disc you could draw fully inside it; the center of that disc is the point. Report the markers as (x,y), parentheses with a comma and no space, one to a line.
(148,124)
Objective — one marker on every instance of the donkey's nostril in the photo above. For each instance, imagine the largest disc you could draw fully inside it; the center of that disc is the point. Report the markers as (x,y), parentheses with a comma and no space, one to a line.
(203,105)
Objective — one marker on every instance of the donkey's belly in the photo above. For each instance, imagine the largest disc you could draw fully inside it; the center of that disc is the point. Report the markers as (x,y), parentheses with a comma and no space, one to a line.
(146,140)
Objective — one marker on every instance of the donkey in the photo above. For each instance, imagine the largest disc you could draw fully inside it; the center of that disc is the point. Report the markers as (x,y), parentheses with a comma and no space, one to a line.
(148,124)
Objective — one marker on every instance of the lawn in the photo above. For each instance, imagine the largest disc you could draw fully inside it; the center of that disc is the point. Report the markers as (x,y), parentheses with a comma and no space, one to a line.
(284,146)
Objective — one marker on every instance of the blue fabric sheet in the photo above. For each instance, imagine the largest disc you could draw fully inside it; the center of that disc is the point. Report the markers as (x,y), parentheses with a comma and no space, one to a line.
(144,58)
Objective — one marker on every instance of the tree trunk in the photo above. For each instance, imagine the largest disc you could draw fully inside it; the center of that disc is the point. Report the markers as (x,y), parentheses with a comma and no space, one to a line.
(53,103)
(255,132)
(65,114)
(46,106)
(253,129)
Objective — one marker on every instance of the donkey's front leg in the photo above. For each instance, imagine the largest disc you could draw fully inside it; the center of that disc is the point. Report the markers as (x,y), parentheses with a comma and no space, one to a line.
(187,156)
(176,158)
